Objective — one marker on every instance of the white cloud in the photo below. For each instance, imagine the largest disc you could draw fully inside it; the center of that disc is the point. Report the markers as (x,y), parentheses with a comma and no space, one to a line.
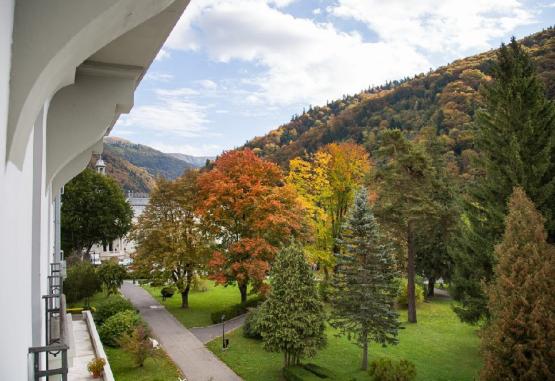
(281,3)
(159,77)
(317,11)
(179,92)
(437,25)
(162,55)
(207,84)
(303,61)
(171,115)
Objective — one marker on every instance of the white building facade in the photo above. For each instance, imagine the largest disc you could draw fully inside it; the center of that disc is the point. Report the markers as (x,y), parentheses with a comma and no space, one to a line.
(68,69)
(122,248)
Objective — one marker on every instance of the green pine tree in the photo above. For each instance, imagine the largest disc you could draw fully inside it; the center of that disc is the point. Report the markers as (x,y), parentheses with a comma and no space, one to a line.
(292,318)
(515,136)
(519,341)
(431,240)
(364,283)
(404,175)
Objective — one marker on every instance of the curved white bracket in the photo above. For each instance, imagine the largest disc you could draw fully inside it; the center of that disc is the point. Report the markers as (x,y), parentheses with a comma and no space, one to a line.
(52,38)
(75,166)
(80,115)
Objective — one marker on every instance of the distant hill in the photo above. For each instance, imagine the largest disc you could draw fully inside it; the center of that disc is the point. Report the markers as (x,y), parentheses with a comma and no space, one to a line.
(136,166)
(195,161)
(445,99)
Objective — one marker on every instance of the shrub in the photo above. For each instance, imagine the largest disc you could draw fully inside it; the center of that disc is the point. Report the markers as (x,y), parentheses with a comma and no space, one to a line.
(81,282)
(167,292)
(111,306)
(235,310)
(96,366)
(111,274)
(402,296)
(138,344)
(117,326)
(251,329)
(385,369)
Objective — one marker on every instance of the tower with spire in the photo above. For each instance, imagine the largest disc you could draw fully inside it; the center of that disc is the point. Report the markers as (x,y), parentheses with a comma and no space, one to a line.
(100,166)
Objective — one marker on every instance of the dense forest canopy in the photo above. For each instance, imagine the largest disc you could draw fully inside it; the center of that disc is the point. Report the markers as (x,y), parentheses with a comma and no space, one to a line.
(446,99)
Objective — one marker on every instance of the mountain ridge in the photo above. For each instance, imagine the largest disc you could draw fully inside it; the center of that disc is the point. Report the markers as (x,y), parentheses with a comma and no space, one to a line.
(136,166)
(445,98)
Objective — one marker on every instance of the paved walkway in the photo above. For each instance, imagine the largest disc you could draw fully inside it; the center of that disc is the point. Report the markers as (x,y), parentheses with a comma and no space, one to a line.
(195,361)
(207,334)
(84,352)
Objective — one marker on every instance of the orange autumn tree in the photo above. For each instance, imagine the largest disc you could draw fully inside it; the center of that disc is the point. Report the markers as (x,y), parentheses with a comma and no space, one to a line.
(251,211)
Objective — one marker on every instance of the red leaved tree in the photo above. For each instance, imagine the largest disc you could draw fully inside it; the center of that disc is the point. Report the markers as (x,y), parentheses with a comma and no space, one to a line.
(251,211)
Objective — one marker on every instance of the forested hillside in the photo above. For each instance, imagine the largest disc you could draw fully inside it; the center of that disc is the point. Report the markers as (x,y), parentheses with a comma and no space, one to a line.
(153,161)
(446,99)
(195,161)
(136,166)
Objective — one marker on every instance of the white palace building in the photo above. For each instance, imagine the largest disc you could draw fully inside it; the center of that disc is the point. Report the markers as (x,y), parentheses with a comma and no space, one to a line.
(121,248)
(68,70)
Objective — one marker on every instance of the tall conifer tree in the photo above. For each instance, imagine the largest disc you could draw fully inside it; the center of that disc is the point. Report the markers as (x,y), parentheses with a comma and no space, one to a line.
(519,342)
(515,136)
(404,174)
(292,319)
(364,282)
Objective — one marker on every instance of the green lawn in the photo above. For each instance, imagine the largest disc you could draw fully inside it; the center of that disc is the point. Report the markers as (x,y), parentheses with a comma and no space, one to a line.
(201,304)
(159,369)
(93,300)
(441,347)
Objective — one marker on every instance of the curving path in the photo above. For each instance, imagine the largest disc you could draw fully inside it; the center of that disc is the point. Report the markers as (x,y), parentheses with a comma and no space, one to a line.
(209,333)
(188,352)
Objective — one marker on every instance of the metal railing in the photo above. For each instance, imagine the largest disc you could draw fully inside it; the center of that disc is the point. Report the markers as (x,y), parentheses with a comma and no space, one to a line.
(51,359)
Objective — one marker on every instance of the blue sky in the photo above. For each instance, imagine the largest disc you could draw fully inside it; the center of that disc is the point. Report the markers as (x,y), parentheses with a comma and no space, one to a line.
(235,69)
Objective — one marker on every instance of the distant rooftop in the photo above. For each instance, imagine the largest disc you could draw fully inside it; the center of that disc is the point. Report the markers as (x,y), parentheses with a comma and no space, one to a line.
(137,199)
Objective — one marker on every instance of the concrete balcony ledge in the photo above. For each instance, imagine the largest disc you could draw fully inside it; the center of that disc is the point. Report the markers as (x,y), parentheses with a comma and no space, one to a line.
(87,346)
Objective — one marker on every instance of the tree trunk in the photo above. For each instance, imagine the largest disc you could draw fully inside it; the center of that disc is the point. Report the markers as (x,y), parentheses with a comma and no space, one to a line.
(411,294)
(431,286)
(364,365)
(185,297)
(243,291)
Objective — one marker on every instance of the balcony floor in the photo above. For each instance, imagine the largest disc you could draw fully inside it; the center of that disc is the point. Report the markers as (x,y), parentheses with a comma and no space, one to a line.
(84,353)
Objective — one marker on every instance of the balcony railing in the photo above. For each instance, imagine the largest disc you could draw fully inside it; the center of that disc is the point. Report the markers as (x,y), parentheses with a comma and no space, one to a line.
(51,359)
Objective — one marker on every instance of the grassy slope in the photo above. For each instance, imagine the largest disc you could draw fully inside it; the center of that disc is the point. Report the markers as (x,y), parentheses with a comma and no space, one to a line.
(201,304)
(441,347)
(160,369)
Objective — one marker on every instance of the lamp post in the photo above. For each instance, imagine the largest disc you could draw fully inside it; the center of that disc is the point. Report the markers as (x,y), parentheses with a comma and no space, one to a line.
(223,332)
(225,342)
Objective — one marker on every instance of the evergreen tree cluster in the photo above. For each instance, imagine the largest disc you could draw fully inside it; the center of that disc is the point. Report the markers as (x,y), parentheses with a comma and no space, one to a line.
(515,136)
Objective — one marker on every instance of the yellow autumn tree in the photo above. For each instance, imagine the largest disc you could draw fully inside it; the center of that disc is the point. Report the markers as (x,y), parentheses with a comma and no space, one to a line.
(326,183)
